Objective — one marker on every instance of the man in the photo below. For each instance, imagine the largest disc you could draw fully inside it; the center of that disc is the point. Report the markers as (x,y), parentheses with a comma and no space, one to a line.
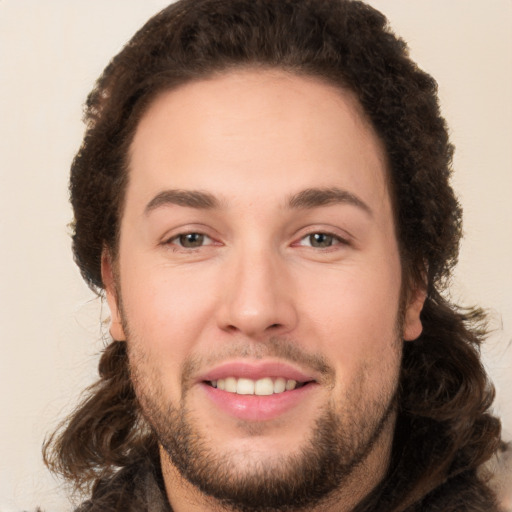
(262,194)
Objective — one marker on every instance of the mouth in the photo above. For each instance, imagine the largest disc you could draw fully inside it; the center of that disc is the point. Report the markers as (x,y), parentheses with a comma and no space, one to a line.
(257,391)
(261,387)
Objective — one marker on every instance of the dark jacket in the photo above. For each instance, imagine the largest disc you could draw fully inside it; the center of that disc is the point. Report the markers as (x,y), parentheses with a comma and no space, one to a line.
(141,489)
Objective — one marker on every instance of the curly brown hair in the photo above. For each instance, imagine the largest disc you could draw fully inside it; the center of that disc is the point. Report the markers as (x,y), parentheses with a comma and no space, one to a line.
(444,427)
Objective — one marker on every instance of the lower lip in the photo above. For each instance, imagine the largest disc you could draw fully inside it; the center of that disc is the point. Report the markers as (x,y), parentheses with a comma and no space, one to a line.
(257,408)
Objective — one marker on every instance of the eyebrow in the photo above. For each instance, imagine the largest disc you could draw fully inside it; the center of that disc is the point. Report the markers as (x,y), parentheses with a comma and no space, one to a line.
(306,199)
(317,197)
(187,198)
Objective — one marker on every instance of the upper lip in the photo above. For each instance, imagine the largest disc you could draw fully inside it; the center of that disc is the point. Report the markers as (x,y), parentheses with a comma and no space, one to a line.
(256,370)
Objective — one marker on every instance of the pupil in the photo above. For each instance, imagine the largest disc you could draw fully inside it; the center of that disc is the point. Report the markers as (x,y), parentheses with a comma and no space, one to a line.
(320,240)
(191,240)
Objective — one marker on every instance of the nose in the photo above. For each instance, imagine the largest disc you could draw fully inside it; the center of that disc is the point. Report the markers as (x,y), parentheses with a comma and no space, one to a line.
(258,296)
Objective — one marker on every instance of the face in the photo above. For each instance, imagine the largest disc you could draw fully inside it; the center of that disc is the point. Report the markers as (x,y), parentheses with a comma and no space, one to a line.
(258,285)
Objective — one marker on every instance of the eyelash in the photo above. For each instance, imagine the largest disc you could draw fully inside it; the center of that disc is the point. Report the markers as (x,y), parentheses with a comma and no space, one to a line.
(179,238)
(335,240)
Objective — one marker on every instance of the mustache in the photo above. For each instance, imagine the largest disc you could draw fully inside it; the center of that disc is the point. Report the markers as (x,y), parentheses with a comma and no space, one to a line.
(275,347)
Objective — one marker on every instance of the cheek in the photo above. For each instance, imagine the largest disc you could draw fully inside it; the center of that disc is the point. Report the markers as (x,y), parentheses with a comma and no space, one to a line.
(166,313)
(166,303)
(354,317)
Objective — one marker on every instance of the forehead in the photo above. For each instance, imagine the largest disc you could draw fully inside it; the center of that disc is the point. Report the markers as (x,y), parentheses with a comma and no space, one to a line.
(251,130)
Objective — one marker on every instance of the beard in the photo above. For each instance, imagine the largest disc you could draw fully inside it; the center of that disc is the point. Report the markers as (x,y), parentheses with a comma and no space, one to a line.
(340,440)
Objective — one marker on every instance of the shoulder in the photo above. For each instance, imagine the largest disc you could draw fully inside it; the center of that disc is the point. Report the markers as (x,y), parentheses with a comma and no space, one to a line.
(488,490)
(121,492)
(500,468)
(136,488)
(465,492)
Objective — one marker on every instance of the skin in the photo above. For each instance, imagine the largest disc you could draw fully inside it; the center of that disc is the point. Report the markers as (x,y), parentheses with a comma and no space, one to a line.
(253,139)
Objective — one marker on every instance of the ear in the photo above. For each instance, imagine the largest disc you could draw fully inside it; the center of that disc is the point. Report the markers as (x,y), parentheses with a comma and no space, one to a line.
(413,327)
(107,276)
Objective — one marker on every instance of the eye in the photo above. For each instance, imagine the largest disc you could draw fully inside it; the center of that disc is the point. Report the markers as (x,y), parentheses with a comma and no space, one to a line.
(321,240)
(191,240)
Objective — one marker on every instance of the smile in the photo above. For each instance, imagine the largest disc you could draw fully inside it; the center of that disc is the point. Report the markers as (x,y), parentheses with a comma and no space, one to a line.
(262,387)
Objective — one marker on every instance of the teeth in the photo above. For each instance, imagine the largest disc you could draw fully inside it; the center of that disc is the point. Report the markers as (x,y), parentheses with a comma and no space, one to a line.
(245,387)
(290,384)
(230,385)
(264,387)
(260,387)
(279,385)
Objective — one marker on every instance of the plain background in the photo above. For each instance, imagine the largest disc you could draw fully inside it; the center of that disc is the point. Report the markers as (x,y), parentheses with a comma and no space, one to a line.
(51,52)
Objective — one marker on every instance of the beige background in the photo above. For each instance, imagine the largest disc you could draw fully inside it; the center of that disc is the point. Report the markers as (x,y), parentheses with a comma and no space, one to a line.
(51,51)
